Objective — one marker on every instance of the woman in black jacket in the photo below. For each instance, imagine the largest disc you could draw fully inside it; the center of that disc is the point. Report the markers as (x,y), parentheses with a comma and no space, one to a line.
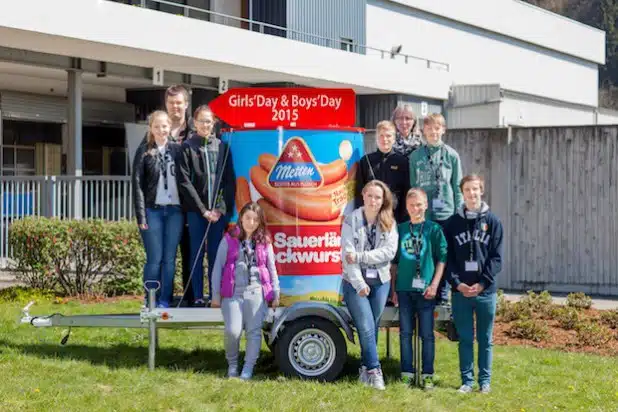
(157,205)
(207,185)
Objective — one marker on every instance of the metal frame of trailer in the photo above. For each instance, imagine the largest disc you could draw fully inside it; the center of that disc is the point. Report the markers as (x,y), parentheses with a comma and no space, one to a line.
(306,337)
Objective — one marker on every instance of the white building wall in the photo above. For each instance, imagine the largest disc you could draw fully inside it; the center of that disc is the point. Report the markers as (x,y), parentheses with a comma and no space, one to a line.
(522,112)
(607,117)
(477,56)
(473,117)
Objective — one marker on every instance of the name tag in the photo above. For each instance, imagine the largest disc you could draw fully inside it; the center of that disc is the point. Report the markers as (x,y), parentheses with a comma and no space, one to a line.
(394,167)
(472,266)
(372,273)
(418,283)
(438,204)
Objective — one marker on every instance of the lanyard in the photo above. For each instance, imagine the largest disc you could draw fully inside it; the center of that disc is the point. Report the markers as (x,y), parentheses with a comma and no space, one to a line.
(163,164)
(437,171)
(248,248)
(207,163)
(475,226)
(417,246)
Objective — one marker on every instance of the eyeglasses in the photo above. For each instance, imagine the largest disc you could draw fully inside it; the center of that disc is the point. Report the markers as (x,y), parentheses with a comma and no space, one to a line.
(203,121)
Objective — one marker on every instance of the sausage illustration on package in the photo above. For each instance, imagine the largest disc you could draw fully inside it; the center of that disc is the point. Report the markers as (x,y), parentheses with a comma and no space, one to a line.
(304,181)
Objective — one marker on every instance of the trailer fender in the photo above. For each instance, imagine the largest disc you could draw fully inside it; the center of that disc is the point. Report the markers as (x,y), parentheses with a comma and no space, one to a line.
(319,309)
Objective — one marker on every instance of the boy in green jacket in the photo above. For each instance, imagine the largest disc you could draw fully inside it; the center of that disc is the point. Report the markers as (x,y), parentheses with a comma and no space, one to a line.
(421,258)
(435,167)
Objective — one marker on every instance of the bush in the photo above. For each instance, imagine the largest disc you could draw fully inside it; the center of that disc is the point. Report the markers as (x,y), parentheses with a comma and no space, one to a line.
(538,303)
(592,334)
(78,256)
(529,329)
(516,311)
(568,318)
(610,318)
(579,300)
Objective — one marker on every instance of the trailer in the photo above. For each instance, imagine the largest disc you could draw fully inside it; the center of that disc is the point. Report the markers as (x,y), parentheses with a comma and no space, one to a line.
(308,339)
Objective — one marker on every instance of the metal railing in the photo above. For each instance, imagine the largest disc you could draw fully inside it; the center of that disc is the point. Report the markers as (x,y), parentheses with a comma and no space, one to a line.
(63,197)
(267,28)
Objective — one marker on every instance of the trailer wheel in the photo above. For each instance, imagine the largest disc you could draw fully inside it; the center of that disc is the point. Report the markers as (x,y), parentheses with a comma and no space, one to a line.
(311,348)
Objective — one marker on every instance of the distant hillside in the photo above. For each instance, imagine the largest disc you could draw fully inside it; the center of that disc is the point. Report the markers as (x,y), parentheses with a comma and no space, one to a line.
(602,14)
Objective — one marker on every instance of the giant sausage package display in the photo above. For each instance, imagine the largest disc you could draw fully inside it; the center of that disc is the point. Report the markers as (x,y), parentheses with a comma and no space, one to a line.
(304,181)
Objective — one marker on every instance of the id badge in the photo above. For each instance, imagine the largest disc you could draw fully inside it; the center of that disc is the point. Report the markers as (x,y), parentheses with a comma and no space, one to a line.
(418,283)
(438,203)
(472,266)
(372,273)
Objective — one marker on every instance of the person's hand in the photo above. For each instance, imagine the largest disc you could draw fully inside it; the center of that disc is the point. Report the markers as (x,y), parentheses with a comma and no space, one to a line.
(208,215)
(431,292)
(143,226)
(215,303)
(350,257)
(476,289)
(364,292)
(215,215)
(395,299)
(274,303)
(464,289)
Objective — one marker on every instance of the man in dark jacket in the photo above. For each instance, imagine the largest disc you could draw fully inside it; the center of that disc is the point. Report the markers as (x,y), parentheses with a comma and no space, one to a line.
(207,185)
(387,166)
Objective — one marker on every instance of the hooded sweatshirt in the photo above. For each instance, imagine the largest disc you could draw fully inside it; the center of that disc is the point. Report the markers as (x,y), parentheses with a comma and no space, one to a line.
(437,170)
(481,234)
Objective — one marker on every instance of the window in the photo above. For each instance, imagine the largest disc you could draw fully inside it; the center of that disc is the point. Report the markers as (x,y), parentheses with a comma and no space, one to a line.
(18,145)
(347,44)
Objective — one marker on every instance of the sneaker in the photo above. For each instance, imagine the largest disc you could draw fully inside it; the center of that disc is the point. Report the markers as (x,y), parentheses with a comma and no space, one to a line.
(485,388)
(375,379)
(199,303)
(407,378)
(427,382)
(362,375)
(232,371)
(465,389)
(246,374)
(163,305)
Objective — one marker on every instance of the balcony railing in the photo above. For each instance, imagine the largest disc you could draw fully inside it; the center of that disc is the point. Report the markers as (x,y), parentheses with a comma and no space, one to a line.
(64,197)
(267,28)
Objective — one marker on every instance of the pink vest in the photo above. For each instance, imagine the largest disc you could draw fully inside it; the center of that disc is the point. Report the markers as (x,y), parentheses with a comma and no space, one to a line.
(228,279)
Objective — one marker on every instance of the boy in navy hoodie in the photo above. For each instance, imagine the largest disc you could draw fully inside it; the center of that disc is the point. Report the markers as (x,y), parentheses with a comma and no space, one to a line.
(474,237)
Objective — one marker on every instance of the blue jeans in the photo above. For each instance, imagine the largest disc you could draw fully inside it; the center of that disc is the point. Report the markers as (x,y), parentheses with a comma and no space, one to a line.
(411,304)
(161,241)
(463,310)
(366,312)
(197,229)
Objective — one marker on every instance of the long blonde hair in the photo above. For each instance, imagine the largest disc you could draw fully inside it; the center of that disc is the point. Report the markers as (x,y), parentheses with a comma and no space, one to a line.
(386,218)
(151,139)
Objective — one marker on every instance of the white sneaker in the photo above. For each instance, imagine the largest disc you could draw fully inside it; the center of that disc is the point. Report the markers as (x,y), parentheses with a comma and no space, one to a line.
(485,388)
(375,379)
(232,371)
(465,389)
(362,375)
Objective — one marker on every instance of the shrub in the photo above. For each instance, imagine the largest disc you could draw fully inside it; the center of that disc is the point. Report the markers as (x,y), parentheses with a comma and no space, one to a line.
(78,256)
(502,304)
(538,303)
(592,334)
(568,318)
(516,311)
(579,300)
(610,318)
(529,329)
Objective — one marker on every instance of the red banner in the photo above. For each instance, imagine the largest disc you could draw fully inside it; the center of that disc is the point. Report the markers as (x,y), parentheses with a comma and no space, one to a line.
(307,250)
(268,108)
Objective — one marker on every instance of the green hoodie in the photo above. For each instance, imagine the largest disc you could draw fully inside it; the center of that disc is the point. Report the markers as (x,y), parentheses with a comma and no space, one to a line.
(423,175)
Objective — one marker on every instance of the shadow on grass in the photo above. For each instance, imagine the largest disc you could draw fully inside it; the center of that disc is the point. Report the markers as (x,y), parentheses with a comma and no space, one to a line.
(202,360)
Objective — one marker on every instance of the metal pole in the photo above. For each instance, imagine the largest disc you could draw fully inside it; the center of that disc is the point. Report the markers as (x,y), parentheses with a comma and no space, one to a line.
(250,15)
(152,329)
(417,352)
(75,137)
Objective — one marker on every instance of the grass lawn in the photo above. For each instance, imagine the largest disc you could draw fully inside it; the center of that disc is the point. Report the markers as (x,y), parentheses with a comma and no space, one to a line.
(106,370)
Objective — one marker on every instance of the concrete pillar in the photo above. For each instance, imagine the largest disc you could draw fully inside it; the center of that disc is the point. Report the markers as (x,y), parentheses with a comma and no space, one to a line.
(74,152)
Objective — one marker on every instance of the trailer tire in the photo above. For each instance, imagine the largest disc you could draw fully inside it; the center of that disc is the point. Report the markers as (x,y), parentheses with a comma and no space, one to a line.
(311,348)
